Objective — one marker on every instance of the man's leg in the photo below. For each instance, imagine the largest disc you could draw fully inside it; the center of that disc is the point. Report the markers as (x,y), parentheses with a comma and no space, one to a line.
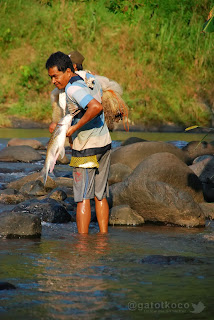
(83,216)
(102,212)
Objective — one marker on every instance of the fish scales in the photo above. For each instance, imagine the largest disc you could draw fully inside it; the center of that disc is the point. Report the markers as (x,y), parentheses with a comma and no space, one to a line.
(56,145)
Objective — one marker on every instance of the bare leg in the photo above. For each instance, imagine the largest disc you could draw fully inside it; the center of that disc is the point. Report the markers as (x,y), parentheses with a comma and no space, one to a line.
(102,212)
(83,216)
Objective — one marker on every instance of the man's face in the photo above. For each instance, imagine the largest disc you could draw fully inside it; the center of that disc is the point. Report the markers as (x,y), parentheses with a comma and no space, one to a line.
(58,78)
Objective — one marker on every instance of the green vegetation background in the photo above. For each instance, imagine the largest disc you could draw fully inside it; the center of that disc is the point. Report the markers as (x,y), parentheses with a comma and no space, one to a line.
(154,49)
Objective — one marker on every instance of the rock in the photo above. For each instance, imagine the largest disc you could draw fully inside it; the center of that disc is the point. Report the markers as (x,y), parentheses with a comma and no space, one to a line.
(19,153)
(6,286)
(132,154)
(195,149)
(63,160)
(19,225)
(34,188)
(63,181)
(35,144)
(58,195)
(208,190)
(132,140)
(49,210)
(50,184)
(162,189)
(11,198)
(118,172)
(124,215)
(204,169)
(208,209)
(170,260)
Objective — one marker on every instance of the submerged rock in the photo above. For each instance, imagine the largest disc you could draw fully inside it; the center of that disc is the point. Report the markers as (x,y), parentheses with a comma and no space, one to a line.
(170,260)
(19,225)
(124,215)
(19,153)
(49,210)
(6,286)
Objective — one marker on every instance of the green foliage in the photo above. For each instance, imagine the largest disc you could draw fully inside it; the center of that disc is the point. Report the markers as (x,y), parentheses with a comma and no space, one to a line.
(154,49)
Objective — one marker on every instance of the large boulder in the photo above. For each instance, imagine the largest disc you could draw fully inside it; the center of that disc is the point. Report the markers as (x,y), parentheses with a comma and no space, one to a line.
(19,153)
(19,224)
(132,154)
(35,144)
(49,210)
(163,189)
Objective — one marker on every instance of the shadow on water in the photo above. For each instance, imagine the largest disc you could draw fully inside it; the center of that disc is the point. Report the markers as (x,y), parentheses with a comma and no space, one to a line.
(147,272)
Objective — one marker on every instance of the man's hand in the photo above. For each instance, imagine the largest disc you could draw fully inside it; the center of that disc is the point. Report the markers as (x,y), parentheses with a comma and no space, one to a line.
(52,127)
(70,131)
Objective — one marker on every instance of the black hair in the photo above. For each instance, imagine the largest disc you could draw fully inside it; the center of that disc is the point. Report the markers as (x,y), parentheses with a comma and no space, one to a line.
(79,66)
(59,60)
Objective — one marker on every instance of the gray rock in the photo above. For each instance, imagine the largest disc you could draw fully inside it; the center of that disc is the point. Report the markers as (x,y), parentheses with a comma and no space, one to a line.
(124,215)
(64,181)
(58,195)
(162,189)
(208,210)
(195,149)
(118,172)
(49,210)
(132,140)
(132,154)
(19,153)
(204,169)
(19,224)
(35,144)
(50,184)
(34,188)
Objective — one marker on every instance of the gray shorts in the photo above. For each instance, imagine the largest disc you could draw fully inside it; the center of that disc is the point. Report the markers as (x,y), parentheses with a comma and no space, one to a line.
(91,182)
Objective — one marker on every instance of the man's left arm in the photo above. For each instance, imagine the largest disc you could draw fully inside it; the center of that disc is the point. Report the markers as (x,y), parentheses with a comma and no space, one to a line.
(93,109)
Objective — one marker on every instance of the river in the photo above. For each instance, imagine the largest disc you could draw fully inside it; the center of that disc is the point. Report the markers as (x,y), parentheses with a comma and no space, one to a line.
(147,272)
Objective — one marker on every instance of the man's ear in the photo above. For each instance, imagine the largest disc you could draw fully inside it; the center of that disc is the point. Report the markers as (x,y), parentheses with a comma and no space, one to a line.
(69,72)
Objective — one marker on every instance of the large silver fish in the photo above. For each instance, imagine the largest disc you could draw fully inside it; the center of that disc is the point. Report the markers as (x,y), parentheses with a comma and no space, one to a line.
(56,145)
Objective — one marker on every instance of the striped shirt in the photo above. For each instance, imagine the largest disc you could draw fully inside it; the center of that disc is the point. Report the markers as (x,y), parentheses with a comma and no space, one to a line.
(94,137)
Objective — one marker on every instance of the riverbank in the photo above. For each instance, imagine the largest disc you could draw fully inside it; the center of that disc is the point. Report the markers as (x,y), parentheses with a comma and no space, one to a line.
(24,123)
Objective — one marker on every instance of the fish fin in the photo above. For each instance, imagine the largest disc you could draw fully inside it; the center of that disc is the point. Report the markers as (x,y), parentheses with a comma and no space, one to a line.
(53,162)
(62,153)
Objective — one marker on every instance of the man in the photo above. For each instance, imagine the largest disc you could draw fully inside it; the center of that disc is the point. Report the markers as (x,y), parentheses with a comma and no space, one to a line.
(58,99)
(91,141)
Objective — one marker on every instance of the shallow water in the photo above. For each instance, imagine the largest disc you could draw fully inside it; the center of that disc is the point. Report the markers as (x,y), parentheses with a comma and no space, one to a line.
(69,276)
(64,275)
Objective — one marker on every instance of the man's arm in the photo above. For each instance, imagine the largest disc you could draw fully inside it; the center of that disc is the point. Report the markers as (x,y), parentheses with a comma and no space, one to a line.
(93,109)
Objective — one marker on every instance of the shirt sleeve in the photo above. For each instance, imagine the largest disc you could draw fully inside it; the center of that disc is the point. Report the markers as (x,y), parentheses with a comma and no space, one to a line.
(79,95)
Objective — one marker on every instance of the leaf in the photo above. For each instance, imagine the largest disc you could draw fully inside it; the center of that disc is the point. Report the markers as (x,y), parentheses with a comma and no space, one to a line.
(191,128)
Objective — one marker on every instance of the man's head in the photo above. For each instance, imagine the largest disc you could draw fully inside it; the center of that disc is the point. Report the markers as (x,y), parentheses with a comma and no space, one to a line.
(60,69)
(77,60)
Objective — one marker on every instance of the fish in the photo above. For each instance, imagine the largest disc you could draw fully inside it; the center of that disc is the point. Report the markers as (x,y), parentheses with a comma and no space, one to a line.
(56,145)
